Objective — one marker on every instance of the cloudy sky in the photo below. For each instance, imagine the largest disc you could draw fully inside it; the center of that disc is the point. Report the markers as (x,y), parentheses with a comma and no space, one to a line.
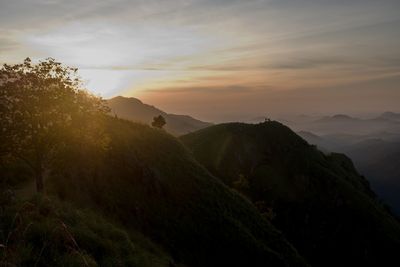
(219,59)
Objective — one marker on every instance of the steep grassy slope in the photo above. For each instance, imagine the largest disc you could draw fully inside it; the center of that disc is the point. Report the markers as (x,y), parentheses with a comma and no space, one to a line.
(133,109)
(380,162)
(376,156)
(147,181)
(45,232)
(319,202)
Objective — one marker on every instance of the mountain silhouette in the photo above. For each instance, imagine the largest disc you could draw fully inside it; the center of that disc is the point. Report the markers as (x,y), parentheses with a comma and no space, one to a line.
(337,118)
(390,116)
(135,110)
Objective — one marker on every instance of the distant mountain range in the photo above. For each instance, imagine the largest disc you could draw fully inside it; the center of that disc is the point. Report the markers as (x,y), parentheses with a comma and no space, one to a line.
(337,118)
(390,116)
(135,110)
(388,122)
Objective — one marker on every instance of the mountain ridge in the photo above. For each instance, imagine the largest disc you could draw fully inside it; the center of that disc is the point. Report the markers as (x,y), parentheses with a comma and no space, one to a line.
(135,110)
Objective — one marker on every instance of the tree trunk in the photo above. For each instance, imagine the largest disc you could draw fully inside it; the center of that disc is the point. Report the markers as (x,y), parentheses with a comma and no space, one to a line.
(39,181)
(39,170)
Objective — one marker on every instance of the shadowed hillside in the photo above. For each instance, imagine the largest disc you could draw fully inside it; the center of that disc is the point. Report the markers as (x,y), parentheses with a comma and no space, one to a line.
(46,232)
(379,160)
(376,156)
(149,182)
(322,205)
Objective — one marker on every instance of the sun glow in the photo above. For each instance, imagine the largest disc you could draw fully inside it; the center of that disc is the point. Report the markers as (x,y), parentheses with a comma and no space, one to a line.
(143,58)
(105,82)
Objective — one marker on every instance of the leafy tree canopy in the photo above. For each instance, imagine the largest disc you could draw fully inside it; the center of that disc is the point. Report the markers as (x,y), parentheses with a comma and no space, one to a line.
(41,106)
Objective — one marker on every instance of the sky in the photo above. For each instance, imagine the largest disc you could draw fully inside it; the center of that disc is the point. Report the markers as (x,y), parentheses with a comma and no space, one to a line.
(219,59)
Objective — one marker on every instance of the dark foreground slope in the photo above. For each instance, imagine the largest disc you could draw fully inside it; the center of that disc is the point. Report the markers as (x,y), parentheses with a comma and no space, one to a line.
(146,181)
(45,232)
(322,205)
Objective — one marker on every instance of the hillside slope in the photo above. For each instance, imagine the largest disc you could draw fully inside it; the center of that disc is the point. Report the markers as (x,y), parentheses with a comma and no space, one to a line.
(147,181)
(375,156)
(379,160)
(322,205)
(133,109)
(45,232)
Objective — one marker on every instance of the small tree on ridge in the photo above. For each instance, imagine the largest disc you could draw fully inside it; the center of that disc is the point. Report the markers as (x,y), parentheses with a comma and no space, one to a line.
(158,122)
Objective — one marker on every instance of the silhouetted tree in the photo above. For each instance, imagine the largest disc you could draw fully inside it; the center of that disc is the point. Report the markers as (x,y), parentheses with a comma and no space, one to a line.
(158,122)
(40,106)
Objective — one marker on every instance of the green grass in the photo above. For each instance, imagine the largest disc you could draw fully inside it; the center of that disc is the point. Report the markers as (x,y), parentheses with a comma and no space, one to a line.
(46,232)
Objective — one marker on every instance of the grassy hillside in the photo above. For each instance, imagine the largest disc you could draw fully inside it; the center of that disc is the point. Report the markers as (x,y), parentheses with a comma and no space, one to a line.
(148,182)
(46,232)
(322,205)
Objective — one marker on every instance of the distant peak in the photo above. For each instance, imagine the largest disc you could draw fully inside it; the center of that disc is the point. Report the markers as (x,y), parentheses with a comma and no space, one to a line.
(301,133)
(127,99)
(341,116)
(336,118)
(389,115)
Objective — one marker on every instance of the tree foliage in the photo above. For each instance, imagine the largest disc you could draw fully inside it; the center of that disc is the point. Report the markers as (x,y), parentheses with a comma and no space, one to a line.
(158,122)
(41,106)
